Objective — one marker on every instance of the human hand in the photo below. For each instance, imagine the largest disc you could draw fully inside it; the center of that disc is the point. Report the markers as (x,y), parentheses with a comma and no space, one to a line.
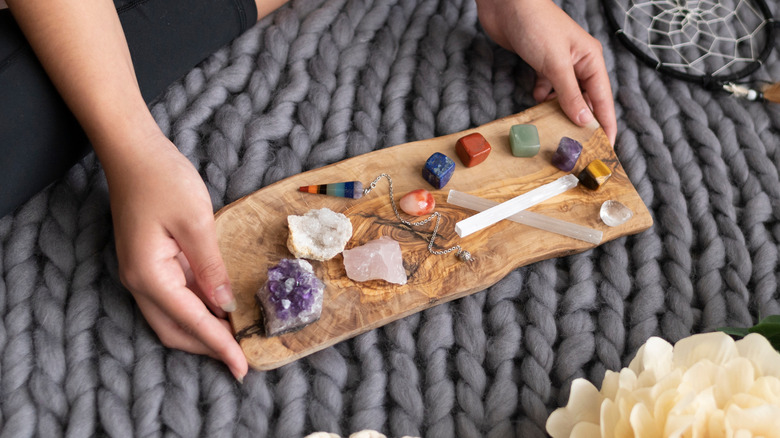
(568,61)
(167,249)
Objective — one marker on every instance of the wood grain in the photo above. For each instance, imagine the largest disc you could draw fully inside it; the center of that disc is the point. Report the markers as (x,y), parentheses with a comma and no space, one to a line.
(252,231)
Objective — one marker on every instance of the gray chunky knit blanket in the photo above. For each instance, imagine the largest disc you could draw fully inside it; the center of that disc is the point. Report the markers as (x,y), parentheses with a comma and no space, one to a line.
(323,80)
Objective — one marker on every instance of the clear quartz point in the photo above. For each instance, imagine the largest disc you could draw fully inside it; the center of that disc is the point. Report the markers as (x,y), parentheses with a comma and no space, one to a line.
(613,213)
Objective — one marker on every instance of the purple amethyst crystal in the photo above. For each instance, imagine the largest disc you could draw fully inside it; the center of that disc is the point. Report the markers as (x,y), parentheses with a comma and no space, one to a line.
(567,154)
(291,298)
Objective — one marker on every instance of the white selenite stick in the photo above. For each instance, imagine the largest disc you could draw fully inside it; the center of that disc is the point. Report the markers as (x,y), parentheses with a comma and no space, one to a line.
(529,218)
(502,211)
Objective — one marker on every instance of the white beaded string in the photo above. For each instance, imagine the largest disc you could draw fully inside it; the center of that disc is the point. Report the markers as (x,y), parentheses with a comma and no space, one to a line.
(462,254)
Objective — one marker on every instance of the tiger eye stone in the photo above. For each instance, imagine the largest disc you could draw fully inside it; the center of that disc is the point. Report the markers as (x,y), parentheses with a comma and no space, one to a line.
(567,154)
(472,149)
(595,174)
(524,140)
(438,170)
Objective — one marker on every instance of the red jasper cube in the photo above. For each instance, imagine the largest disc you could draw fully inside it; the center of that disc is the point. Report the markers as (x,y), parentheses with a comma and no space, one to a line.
(472,149)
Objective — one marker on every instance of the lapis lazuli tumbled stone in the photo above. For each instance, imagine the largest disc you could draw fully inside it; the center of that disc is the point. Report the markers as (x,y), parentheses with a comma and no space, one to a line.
(291,298)
(438,170)
(524,140)
(567,154)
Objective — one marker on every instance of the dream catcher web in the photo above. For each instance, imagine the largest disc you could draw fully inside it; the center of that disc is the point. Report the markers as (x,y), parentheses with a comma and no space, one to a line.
(710,42)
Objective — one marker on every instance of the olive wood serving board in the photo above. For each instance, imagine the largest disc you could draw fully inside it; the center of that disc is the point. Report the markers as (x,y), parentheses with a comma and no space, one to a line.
(252,231)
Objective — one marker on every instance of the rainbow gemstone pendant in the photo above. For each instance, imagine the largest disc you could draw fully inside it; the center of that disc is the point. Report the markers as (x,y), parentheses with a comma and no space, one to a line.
(351,189)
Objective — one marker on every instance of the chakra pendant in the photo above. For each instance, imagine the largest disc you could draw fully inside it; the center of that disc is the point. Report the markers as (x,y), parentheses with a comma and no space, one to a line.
(351,189)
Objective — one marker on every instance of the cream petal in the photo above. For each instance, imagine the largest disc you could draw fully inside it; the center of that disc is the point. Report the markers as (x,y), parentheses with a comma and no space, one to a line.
(627,379)
(610,384)
(758,350)
(664,404)
(585,430)
(759,420)
(716,425)
(699,377)
(735,377)
(643,423)
(767,388)
(610,416)
(717,347)
(583,405)
(655,354)
(367,434)
(584,400)
(677,426)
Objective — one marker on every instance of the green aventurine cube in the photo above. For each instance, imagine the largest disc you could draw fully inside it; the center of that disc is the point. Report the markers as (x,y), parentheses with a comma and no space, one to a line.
(524,140)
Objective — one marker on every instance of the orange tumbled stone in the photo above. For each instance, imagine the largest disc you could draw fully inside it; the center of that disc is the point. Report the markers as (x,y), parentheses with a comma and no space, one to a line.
(417,202)
(472,149)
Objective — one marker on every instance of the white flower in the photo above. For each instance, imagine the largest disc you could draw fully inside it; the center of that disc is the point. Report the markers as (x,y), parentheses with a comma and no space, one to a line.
(362,434)
(707,385)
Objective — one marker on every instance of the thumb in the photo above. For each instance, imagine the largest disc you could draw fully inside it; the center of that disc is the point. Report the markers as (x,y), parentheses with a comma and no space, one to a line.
(199,245)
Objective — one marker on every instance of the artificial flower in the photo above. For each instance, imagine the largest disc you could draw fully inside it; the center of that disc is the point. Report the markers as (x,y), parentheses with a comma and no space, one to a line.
(706,385)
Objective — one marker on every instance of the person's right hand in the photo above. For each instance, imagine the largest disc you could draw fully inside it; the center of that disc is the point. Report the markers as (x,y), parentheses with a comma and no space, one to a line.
(568,61)
(167,249)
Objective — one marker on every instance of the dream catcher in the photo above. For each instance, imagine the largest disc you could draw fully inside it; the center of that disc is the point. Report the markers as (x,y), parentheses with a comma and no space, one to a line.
(709,42)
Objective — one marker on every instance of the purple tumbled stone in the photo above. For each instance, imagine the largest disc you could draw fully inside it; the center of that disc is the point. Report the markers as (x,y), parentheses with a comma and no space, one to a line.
(291,298)
(567,154)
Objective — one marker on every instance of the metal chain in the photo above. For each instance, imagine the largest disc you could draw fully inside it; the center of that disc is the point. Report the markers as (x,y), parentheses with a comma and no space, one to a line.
(462,254)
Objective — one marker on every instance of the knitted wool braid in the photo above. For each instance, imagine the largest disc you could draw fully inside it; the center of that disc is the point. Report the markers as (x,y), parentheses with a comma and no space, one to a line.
(319,81)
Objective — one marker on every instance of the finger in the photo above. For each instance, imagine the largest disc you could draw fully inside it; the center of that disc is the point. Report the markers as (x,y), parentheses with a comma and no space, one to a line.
(543,90)
(599,93)
(198,242)
(182,321)
(564,81)
(193,286)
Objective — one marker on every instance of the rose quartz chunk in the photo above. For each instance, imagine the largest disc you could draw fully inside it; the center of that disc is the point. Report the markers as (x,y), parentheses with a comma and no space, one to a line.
(417,202)
(378,259)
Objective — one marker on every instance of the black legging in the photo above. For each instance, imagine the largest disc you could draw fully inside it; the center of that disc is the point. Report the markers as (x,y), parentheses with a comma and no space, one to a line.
(39,137)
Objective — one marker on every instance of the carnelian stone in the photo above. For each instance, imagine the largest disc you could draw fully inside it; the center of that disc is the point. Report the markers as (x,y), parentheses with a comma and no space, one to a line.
(417,203)
(472,149)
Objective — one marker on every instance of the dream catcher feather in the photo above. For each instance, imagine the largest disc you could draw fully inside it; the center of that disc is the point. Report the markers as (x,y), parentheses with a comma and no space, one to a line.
(713,43)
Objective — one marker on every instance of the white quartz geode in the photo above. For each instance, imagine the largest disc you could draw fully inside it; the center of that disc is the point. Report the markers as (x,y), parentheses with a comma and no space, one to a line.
(378,259)
(318,235)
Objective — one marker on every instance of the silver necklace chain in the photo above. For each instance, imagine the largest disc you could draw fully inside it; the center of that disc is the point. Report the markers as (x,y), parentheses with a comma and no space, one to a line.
(462,254)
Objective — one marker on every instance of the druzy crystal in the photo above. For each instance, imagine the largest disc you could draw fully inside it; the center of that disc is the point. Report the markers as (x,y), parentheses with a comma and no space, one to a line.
(613,213)
(379,259)
(291,297)
(320,234)
(567,154)
(438,170)
(472,149)
(524,140)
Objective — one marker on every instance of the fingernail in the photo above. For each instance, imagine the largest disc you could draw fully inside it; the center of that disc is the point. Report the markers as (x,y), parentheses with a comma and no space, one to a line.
(584,117)
(224,298)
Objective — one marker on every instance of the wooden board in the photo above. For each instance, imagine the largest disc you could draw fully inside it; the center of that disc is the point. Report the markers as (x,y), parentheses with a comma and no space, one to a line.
(252,231)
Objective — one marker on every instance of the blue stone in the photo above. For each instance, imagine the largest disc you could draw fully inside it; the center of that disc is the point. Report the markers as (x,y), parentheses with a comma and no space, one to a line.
(438,170)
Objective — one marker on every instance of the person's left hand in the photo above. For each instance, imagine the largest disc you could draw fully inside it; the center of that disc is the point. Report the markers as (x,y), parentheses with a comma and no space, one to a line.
(568,61)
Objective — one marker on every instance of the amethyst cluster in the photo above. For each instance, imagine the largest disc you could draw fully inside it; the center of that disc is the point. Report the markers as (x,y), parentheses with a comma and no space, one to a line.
(291,298)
